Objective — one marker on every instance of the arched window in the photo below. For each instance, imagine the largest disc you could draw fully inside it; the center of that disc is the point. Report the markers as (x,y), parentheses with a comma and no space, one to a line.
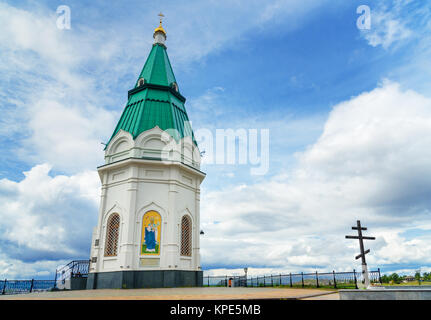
(174,86)
(186,236)
(141,82)
(112,232)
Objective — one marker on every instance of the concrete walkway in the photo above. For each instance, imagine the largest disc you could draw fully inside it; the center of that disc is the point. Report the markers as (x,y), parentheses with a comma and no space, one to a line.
(217,293)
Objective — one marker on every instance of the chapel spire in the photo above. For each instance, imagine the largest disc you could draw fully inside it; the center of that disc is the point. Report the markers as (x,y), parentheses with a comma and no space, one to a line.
(156,99)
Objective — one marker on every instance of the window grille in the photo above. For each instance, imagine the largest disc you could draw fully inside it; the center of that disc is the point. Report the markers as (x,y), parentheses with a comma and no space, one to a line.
(112,231)
(186,236)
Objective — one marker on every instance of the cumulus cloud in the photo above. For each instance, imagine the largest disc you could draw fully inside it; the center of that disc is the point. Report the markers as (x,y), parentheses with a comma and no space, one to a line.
(47,218)
(17,269)
(370,163)
(66,135)
(50,110)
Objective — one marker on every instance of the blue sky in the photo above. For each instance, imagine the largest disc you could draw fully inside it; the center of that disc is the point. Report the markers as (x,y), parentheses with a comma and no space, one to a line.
(348,113)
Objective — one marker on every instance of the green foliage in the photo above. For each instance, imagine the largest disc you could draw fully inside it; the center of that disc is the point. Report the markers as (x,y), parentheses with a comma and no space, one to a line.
(426,276)
(393,278)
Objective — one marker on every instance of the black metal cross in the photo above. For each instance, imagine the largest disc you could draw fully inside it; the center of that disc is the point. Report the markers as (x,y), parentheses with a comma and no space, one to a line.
(361,242)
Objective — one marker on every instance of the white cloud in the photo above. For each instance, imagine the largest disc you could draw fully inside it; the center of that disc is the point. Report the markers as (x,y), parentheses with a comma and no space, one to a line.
(47,218)
(66,135)
(397,23)
(61,85)
(386,30)
(52,110)
(370,163)
(17,269)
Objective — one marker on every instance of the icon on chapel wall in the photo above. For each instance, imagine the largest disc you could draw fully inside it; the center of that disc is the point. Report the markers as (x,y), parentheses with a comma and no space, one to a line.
(151,225)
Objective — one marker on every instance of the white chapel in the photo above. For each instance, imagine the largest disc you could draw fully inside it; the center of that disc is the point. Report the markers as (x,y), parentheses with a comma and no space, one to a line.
(148,228)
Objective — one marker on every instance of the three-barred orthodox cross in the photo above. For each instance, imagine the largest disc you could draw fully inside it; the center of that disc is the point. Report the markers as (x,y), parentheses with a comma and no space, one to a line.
(363,252)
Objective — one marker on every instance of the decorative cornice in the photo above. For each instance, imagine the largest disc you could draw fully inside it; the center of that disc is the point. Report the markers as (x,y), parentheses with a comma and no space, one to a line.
(153,160)
(156,87)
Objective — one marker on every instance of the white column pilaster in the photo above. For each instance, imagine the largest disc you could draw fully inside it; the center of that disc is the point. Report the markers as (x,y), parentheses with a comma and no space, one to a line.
(98,251)
(172,254)
(128,258)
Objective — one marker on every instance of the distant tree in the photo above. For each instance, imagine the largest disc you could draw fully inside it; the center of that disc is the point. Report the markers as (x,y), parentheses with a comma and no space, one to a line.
(418,276)
(395,278)
(385,279)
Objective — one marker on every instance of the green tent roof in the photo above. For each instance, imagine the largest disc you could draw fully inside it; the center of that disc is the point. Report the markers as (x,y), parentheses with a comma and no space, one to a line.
(156,102)
(157,68)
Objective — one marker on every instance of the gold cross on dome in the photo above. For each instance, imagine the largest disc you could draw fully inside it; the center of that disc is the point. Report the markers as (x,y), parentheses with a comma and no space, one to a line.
(161,17)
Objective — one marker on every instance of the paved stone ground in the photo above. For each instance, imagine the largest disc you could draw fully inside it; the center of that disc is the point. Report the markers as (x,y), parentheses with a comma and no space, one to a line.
(217,293)
(331,296)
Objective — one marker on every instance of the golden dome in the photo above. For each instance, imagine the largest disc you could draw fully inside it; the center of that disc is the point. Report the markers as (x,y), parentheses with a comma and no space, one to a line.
(160,28)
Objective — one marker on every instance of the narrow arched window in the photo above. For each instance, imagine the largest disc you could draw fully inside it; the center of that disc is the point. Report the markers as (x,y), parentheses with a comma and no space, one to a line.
(112,232)
(174,86)
(186,236)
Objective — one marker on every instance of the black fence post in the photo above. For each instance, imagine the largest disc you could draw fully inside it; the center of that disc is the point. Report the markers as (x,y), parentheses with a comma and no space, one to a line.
(290,279)
(264,281)
(317,279)
(227,285)
(272,281)
(335,280)
(208,281)
(31,285)
(302,279)
(4,286)
(380,278)
(356,281)
(280,280)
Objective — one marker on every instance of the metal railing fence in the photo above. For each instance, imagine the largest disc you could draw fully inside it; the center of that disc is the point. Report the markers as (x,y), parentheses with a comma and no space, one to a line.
(25,286)
(314,279)
(75,268)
